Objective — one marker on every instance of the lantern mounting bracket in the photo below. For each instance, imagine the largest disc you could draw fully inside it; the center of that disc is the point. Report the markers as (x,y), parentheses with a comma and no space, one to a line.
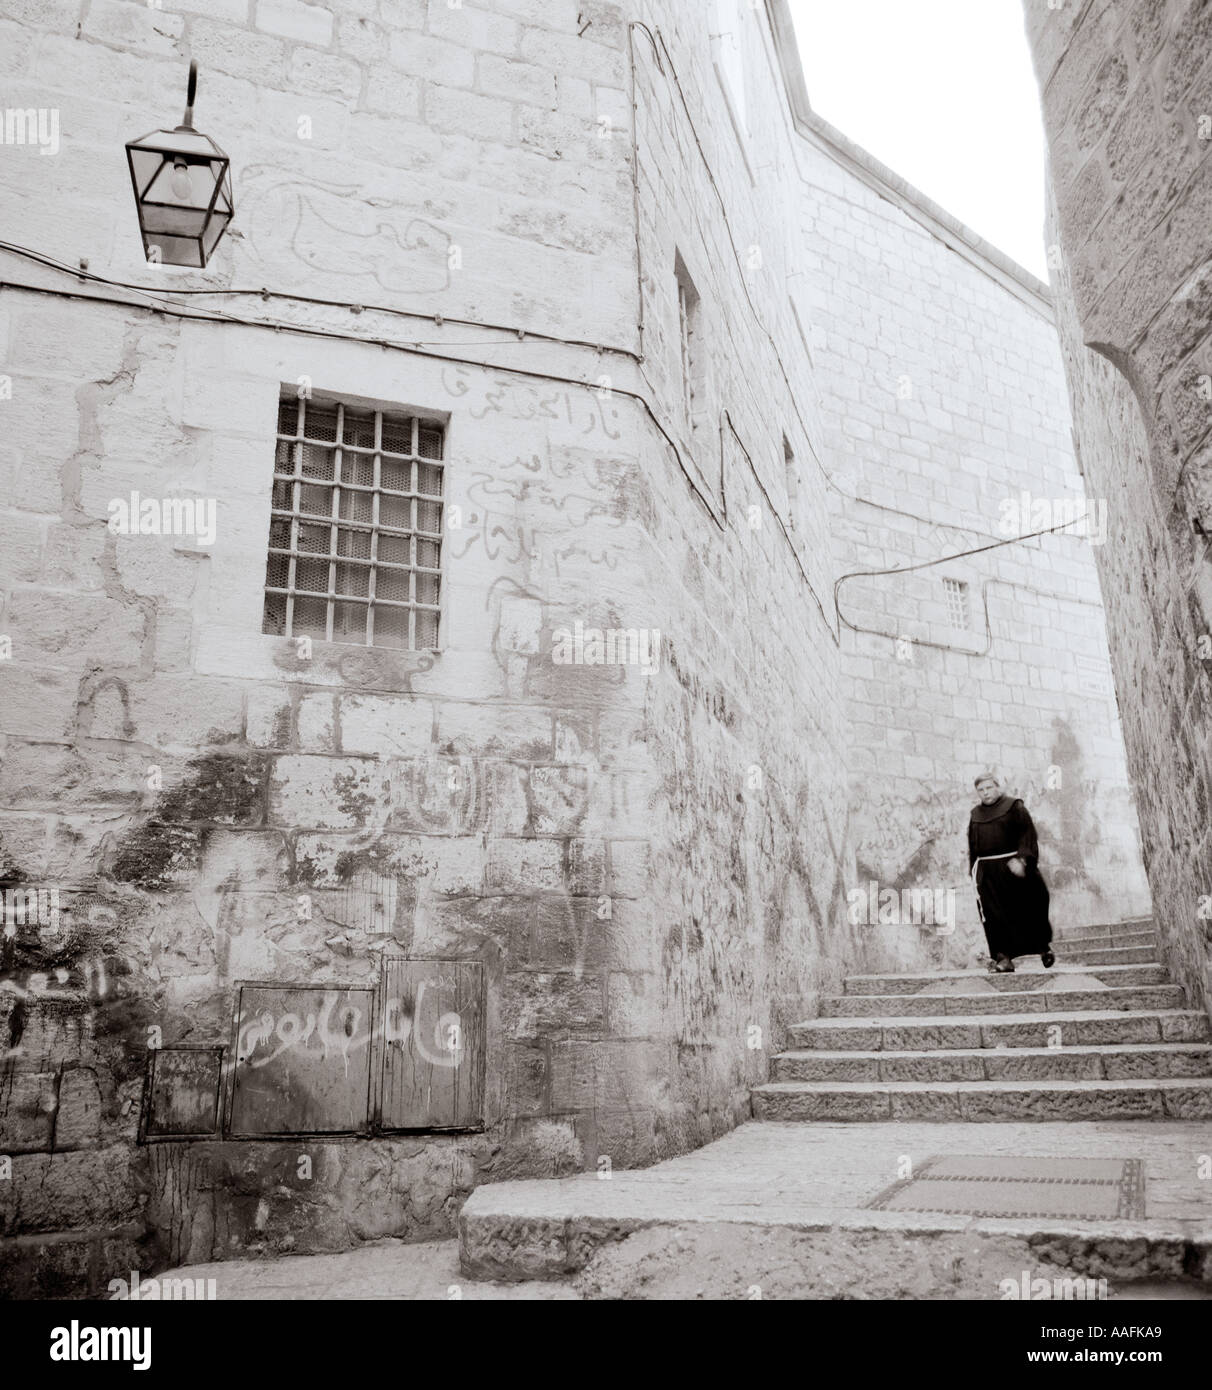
(191,92)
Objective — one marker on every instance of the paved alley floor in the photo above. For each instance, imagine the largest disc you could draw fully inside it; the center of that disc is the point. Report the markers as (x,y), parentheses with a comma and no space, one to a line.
(383,1269)
(783,1207)
(805,1174)
(779,1208)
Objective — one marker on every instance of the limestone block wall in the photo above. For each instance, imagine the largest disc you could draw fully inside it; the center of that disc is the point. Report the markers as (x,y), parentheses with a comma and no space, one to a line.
(1127,102)
(753,851)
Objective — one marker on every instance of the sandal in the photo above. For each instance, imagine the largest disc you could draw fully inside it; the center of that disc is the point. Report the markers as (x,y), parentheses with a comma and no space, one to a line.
(1003,965)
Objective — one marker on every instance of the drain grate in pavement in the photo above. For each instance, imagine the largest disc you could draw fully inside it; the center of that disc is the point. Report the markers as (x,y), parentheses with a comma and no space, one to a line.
(1082,1189)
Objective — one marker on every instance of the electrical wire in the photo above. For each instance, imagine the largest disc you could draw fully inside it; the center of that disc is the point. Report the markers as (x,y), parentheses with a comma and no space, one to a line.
(305,331)
(929,564)
(167,308)
(521,334)
(783,527)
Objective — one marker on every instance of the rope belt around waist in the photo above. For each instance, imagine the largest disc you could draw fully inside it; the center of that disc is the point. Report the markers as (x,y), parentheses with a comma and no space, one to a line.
(976,863)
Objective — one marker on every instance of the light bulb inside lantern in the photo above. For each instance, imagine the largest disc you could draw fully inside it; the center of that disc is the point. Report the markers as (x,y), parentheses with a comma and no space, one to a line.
(180,184)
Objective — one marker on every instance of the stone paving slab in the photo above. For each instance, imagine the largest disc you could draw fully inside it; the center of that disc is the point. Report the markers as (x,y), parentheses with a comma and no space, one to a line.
(1129,927)
(1119,954)
(714,1261)
(1100,943)
(384,1269)
(818,1177)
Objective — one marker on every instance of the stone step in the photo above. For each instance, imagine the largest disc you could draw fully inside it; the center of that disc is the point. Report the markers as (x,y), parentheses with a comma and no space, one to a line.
(990,1000)
(1106,930)
(1126,1062)
(1018,982)
(1086,1028)
(1080,942)
(982,1101)
(1110,955)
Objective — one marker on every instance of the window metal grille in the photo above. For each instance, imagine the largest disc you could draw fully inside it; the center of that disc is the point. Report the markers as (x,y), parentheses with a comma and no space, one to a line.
(355,532)
(959,610)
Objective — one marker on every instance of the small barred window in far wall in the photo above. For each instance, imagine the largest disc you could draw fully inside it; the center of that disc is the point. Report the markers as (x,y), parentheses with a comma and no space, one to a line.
(355,532)
(959,610)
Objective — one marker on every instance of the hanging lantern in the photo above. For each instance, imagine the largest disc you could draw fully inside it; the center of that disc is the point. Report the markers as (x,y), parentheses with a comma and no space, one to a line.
(182,183)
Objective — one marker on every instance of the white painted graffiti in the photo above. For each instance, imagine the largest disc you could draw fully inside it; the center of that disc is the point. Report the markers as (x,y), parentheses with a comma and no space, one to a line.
(444,1048)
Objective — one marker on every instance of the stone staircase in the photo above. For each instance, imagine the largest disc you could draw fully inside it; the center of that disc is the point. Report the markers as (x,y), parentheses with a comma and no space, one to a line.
(807,1210)
(1103,1035)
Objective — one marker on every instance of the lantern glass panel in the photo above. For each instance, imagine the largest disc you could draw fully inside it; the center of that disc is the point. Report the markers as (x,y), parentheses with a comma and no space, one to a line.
(183,191)
(174,250)
(214,230)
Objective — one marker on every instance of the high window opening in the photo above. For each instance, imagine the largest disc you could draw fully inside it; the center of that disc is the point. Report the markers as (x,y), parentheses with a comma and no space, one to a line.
(791,469)
(690,338)
(959,608)
(355,532)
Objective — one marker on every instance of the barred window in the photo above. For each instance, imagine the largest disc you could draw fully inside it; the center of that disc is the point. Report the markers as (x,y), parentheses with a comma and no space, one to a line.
(355,532)
(959,610)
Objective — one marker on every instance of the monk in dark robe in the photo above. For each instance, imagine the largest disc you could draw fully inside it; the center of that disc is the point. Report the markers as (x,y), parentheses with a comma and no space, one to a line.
(1003,859)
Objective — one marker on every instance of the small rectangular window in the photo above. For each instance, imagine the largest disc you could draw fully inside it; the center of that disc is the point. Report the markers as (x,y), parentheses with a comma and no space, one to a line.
(959,610)
(693,375)
(355,532)
(793,483)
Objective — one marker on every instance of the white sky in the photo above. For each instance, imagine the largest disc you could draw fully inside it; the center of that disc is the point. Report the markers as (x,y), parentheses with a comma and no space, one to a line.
(943,92)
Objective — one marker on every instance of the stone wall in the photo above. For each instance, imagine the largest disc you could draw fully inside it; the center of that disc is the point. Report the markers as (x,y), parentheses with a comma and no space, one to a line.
(1127,99)
(750,737)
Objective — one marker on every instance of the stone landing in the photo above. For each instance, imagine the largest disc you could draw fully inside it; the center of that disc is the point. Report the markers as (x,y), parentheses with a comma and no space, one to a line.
(800,1191)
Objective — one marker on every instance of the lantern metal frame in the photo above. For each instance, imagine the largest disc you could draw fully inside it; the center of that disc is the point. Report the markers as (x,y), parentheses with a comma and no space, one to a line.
(193,150)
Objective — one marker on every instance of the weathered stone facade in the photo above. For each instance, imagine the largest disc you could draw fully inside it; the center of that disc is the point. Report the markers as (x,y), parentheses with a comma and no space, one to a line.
(1127,99)
(649,865)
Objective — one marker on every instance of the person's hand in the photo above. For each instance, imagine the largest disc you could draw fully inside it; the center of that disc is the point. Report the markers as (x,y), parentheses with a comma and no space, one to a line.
(1017,867)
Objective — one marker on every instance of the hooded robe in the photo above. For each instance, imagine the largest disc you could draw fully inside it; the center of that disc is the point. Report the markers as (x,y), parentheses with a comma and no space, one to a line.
(1014,910)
